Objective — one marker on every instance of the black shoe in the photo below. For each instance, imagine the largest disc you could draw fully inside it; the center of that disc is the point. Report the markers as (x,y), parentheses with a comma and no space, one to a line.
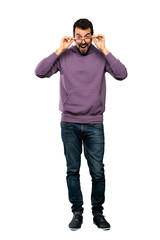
(76,222)
(100,221)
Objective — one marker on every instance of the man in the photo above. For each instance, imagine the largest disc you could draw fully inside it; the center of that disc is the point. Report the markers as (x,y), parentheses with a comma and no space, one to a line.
(82,102)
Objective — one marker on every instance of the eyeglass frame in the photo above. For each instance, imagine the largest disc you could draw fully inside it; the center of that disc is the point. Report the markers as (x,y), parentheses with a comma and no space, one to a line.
(84,38)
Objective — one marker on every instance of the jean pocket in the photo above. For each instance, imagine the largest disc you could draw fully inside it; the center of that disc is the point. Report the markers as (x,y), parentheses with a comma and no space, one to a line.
(64,124)
(98,125)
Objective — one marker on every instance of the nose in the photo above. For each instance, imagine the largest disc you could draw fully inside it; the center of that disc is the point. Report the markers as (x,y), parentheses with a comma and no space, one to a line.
(83,41)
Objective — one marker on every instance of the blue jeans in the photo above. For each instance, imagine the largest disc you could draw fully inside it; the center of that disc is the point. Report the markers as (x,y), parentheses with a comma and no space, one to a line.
(92,138)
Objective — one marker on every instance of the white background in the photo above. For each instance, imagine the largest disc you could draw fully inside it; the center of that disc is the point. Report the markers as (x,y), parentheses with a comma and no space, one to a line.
(33,192)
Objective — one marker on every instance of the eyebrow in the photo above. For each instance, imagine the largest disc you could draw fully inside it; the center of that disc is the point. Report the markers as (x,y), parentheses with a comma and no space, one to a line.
(85,35)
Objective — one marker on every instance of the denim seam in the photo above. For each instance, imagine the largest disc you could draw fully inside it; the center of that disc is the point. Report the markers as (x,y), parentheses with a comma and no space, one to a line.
(87,157)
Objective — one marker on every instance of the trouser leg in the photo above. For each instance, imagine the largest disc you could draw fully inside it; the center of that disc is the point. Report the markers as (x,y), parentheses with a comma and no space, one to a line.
(72,150)
(94,151)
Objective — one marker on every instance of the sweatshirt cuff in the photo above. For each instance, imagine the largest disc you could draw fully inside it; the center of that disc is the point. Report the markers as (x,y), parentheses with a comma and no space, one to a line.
(111,59)
(51,58)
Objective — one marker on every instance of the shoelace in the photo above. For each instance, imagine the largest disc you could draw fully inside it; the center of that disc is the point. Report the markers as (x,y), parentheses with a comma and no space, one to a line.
(77,216)
(101,217)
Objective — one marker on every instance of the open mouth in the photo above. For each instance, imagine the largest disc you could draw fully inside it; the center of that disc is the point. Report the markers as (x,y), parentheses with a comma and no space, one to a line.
(83,47)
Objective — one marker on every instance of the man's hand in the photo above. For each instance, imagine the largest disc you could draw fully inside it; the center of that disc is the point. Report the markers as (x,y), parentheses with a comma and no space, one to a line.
(99,41)
(65,43)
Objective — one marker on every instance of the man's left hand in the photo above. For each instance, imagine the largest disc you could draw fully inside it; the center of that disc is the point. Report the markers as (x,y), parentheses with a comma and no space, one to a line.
(99,41)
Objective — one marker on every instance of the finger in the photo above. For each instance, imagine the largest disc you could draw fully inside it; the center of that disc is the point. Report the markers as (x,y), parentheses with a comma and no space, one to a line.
(68,38)
(98,36)
(94,38)
(73,39)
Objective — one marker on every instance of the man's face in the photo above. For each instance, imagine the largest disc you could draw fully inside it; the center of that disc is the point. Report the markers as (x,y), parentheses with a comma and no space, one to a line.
(83,40)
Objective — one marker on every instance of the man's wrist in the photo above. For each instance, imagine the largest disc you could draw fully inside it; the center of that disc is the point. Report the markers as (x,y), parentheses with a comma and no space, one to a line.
(105,51)
(59,51)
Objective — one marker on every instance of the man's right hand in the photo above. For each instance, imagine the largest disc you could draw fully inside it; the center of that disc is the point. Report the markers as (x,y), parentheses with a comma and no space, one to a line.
(65,43)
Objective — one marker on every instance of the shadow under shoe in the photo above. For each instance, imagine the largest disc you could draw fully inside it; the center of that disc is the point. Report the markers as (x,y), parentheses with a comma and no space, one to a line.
(76,222)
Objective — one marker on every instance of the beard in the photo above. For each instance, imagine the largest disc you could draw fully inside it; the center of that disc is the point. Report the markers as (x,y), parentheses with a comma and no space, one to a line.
(83,48)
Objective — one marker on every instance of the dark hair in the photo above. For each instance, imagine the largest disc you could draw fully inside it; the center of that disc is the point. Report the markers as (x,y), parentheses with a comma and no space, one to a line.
(83,23)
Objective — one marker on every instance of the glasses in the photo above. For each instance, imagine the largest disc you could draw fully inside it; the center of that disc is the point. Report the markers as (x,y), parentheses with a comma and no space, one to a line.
(86,38)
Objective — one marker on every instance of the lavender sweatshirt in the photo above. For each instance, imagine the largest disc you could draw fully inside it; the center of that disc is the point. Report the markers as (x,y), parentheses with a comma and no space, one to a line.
(82,82)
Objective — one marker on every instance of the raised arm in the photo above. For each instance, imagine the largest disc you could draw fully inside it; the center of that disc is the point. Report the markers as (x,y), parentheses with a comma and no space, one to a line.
(113,65)
(50,65)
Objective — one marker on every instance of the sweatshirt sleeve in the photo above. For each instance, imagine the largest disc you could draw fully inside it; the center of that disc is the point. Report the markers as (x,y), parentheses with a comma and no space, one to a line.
(115,67)
(48,66)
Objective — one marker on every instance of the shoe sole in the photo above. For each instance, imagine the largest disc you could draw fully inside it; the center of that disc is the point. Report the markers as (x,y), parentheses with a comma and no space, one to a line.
(105,229)
(74,229)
